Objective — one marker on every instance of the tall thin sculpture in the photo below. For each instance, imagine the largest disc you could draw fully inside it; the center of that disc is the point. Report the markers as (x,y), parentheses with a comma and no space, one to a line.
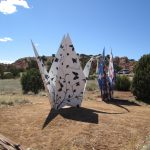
(105,80)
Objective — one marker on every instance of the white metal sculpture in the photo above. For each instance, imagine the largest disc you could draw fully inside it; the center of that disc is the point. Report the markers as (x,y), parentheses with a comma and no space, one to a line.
(66,81)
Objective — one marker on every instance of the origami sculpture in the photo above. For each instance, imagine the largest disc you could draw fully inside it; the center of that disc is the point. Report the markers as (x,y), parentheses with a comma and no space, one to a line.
(66,81)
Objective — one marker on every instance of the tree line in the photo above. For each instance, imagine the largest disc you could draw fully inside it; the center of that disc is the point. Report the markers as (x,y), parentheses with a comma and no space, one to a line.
(31,78)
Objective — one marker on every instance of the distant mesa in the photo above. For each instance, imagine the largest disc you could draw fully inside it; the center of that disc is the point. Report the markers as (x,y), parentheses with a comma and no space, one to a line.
(126,64)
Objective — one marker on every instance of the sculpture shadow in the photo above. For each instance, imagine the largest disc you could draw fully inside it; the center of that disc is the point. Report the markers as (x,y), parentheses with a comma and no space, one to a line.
(79,114)
(120,102)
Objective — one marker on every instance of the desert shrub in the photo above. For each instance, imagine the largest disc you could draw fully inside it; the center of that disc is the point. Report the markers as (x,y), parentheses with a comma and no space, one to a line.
(122,83)
(31,81)
(92,77)
(8,75)
(10,103)
(6,101)
(21,101)
(13,70)
(1,71)
(141,79)
(117,67)
(32,64)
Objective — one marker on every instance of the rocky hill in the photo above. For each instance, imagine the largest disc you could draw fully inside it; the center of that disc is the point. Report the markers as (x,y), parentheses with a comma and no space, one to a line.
(125,63)
(28,62)
(25,63)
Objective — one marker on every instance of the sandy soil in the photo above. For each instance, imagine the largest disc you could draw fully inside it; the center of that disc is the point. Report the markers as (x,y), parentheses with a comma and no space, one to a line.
(117,125)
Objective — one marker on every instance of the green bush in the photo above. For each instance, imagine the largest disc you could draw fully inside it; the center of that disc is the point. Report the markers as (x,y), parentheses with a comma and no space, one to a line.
(122,83)
(13,70)
(8,75)
(32,64)
(1,71)
(31,81)
(92,77)
(141,79)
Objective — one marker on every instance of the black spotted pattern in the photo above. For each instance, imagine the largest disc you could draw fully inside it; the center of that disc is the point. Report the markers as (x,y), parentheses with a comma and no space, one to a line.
(76,75)
(74,60)
(61,46)
(61,86)
(56,59)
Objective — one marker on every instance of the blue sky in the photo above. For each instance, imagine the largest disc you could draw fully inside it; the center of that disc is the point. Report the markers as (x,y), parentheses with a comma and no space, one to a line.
(123,25)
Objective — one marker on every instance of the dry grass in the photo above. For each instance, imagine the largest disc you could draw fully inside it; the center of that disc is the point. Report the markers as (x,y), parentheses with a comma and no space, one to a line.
(91,85)
(10,93)
(121,125)
(11,100)
(8,86)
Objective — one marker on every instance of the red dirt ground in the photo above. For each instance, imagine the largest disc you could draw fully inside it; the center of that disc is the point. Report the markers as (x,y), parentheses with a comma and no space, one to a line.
(118,125)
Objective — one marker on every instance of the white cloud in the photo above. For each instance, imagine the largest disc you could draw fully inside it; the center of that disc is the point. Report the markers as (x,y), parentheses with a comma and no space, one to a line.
(6,39)
(9,6)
